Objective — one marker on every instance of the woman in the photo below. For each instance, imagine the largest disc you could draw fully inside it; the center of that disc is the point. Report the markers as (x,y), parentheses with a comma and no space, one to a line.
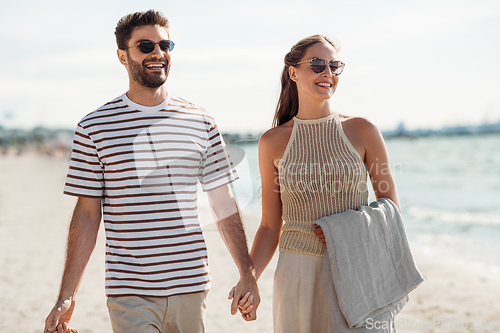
(313,163)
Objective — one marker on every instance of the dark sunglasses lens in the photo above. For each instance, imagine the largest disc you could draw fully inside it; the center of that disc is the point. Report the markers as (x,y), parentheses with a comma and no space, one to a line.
(318,65)
(146,46)
(340,68)
(334,67)
(166,45)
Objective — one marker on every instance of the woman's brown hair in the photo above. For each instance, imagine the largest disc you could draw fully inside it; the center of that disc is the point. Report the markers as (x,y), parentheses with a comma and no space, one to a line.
(288,103)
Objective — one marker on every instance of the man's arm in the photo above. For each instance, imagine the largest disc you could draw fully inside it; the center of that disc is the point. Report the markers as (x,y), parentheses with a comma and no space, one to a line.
(82,238)
(230,227)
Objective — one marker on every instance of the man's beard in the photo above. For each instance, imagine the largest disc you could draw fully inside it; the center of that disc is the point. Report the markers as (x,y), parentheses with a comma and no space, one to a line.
(139,73)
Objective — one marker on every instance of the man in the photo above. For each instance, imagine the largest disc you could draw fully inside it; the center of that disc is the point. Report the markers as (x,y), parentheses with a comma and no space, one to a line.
(138,159)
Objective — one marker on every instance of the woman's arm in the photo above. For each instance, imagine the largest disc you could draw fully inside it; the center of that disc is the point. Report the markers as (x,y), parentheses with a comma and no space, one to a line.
(271,147)
(377,161)
(268,235)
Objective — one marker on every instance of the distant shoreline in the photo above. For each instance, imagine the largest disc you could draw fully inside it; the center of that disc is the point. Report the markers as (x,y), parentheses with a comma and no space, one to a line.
(61,139)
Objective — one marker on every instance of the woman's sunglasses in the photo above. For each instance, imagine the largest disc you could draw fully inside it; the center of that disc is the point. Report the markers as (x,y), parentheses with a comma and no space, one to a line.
(147,46)
(318,65)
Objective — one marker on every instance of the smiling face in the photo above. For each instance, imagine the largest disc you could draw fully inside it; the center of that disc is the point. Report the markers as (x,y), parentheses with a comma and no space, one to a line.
(147,70)
(311,85)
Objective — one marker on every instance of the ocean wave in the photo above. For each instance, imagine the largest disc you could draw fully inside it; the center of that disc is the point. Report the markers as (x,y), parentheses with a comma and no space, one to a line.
(455,218)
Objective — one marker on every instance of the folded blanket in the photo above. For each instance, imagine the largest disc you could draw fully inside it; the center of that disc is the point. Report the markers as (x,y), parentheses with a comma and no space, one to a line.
(370,262)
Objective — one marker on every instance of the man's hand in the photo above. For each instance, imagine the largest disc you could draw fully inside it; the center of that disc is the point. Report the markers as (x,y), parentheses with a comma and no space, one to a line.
(58,319)
(230,227)
(246,298)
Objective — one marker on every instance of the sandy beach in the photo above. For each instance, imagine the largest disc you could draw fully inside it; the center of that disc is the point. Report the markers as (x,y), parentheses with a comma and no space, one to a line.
(457,295)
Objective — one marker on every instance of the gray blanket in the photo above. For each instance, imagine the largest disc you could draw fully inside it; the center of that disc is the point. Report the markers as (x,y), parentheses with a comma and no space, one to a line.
(369,259)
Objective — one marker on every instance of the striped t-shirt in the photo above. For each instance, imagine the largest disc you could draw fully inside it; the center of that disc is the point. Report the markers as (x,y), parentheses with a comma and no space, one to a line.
(145,162)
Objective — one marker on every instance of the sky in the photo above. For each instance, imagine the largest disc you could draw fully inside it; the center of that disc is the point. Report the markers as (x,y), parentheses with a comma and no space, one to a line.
(426,64)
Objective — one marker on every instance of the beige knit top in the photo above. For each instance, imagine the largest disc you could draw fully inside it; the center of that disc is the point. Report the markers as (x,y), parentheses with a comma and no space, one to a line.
(320,174)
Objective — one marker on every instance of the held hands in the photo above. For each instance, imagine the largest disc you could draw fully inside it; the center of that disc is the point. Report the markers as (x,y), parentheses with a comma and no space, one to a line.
(319,232)
(246,302)
(244,305)
(58,319)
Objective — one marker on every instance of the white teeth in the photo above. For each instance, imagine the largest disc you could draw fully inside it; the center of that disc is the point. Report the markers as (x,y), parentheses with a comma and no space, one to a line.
(328,85)
(155,66)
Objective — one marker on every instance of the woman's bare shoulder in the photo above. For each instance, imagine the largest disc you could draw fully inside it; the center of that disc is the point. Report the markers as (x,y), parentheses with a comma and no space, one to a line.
(360,125)
(277,134)
(274,141)
(357,120)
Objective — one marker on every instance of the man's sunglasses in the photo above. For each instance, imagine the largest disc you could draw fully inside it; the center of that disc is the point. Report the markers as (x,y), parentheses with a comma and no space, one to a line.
(147,46)
(318,65)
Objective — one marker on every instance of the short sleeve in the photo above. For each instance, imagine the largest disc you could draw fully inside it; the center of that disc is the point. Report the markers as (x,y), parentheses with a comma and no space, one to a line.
(216,168)
(85,173)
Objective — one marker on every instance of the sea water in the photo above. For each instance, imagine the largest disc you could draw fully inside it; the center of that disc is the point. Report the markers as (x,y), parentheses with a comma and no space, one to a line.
(448,187)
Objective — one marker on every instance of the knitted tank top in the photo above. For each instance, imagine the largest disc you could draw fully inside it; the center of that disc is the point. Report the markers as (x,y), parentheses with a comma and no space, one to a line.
(320,174)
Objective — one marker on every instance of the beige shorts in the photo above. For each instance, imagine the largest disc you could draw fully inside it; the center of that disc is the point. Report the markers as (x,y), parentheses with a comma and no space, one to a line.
(184,313)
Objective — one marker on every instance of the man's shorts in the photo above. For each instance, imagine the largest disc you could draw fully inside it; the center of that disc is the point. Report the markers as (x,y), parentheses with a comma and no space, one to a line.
(184,313)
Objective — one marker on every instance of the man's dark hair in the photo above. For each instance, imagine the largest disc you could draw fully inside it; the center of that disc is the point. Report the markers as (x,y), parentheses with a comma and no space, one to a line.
(128,23)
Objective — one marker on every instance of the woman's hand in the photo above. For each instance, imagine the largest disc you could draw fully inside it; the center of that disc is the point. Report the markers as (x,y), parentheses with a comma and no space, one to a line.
(244,305)
(319,232)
